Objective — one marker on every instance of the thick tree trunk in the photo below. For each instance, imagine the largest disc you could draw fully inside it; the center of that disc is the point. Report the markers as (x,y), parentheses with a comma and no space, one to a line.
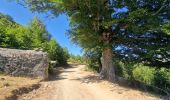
(108,70)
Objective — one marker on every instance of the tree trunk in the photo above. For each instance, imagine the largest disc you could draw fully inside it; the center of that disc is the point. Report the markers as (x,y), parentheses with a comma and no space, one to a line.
(108,70)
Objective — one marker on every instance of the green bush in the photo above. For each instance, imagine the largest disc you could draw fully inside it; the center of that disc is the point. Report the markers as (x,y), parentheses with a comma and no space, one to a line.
(124,69)
(144,74)
(156,77)
(162,79)
(119,68)
(93,66)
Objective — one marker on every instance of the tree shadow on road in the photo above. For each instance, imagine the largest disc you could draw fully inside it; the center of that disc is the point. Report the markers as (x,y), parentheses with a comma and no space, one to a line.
(70,65)
(57,71)
(89,79)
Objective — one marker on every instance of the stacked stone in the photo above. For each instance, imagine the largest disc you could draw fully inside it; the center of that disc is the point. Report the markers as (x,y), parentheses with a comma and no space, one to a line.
(27,63)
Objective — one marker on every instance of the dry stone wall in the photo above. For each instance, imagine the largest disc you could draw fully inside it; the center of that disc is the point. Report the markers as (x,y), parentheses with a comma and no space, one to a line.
(27,63)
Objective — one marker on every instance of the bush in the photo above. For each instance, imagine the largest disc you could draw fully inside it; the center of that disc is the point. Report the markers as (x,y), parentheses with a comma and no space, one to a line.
(56,52)
(144,74)
(155,77)
(93,66)
(162,79)
(124,69)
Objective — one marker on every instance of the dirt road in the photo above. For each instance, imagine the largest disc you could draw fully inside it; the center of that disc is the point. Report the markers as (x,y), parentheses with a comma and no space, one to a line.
(74,83)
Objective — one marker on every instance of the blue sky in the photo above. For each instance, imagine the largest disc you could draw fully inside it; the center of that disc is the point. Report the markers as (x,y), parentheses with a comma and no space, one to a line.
(56,26)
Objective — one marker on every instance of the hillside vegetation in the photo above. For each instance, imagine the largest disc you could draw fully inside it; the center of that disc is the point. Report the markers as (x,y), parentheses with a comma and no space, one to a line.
(32,36)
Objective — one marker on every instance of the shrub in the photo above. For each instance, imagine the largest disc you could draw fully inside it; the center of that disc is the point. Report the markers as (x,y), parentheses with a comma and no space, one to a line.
(159,78)
(124,69)
(93,66)
(162,79)
(119,68)
(144,74)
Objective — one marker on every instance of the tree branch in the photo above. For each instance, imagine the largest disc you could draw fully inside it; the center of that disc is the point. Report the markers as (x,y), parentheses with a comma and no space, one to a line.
(161,8)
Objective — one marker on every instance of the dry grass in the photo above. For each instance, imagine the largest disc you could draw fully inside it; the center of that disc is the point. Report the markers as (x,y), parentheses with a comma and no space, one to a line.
(8,84)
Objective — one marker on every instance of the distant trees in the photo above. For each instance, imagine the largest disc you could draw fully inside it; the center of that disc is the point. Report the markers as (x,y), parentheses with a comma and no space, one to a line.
(77,59)
(34,35)
(56,52)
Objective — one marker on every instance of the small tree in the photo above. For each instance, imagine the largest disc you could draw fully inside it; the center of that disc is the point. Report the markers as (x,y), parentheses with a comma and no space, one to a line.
(38,33)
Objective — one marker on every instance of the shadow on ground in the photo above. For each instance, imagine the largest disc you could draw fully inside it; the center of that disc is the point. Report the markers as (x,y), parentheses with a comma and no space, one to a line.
(125,84)
(18,92)
(55,74)
(89,79)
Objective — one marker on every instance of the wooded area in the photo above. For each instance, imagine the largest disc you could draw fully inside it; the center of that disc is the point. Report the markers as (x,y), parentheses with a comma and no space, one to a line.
(127,38)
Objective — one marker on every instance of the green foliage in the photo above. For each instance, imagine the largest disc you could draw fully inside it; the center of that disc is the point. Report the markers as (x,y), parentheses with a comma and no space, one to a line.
(34,35)
(52,48)
(56,52)
(66,54)
(155,77)
(13,35)
(63,55)
(92,66)
(166,28)
(38,33)
(90,19)
(144,74)
(6,24)
(162,79)
(124,69)
(93,59)
(77,59)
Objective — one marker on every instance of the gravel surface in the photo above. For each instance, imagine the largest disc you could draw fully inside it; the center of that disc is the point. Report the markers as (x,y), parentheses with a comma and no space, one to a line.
(74,83)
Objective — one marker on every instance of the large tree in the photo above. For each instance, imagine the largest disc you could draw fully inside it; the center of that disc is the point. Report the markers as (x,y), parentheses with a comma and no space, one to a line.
(99,23)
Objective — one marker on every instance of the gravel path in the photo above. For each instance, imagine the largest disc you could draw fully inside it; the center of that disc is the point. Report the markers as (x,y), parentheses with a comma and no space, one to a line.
(74,83)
